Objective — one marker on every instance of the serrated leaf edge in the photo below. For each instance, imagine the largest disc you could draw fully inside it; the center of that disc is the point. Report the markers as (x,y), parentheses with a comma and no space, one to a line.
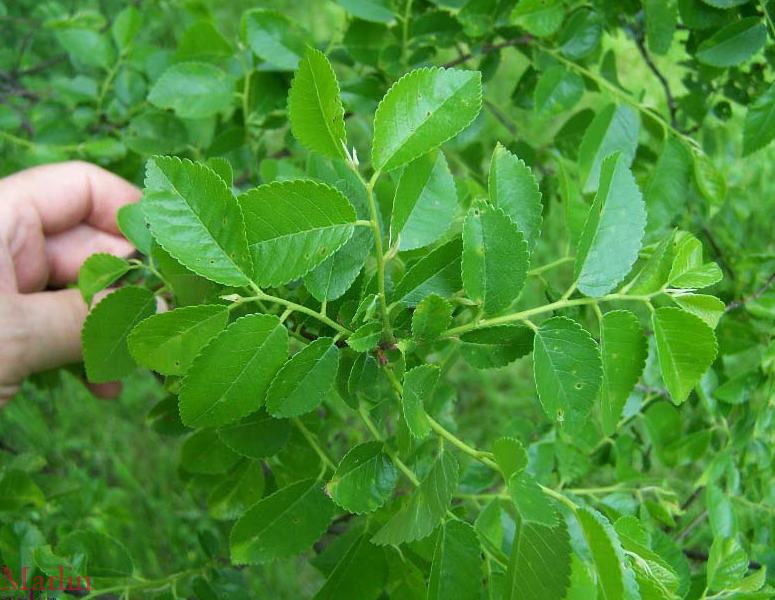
(415,73)
(199,354)
(340,113)
(243,235)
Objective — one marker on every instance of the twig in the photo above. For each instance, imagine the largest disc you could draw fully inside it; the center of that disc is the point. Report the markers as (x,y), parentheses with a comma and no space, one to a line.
(501,117)
(671,105)
(757,294)
(487,48)
(703,557)
(42,66)
(719,252)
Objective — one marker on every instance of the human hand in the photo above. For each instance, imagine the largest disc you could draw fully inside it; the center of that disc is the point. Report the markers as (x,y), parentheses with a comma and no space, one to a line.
(52,218)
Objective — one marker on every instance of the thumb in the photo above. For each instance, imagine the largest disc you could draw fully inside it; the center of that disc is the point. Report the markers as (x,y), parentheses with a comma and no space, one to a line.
(50,327)
(38,332)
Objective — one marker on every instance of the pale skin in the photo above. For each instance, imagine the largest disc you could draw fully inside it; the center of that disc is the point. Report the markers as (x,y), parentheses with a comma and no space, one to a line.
(52,218)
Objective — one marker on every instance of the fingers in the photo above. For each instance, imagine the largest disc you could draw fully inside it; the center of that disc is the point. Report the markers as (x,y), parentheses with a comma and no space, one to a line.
(66,251)
(48,329)
(40,332)
(68,193)
(105,390)
(53,217)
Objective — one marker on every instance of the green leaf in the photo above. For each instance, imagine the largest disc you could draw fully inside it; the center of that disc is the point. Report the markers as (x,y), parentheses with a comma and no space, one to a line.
(557,91)
(194,217)
(688,270)
(334,276)
(513,188)
(359,575)
(456,570)
(293,226)
(614,129)
(568,371)
(315,109)
(709,308)
(430,319)
(169,342)
(105,556)
(364,480)
(106,329)
(125,26)
(222,168)
(257,436)
(612,234)
(98,272)
(87,47)
(378,11)
(231,375)
(17,490)
(303,382)
(538,17)
(366,337)
(582,585)
(188,288)
(654,273)
(510,455)
(733,44)
(233,496)
(193,90)
(131,221)
(495,258)
(530,501)
(424,509)
(202,41)
(281,525)
(686,347)
(274,38)
(668,185)
(498,346)
(615,578)
(155,132)
(437,273)
(540,563)
(759,127)
(725,4)
(654,576)
(205,454)
(623,348)
(661,23)
(581,34)
(727,563)
(418,388)
(425,202)
(421,111)
(709,179)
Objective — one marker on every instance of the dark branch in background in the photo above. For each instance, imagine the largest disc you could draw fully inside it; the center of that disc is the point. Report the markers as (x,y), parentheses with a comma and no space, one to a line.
(719,252)
(487,48)
(671,105)
(703,557)
(42,66)
(757,294)
(502,118)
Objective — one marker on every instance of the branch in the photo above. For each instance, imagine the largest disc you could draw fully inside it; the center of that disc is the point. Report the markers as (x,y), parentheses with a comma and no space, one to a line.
(671,105)
(757,294)
(703,557)
(42,66)
(522,40)
(501,117)
(719,252)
